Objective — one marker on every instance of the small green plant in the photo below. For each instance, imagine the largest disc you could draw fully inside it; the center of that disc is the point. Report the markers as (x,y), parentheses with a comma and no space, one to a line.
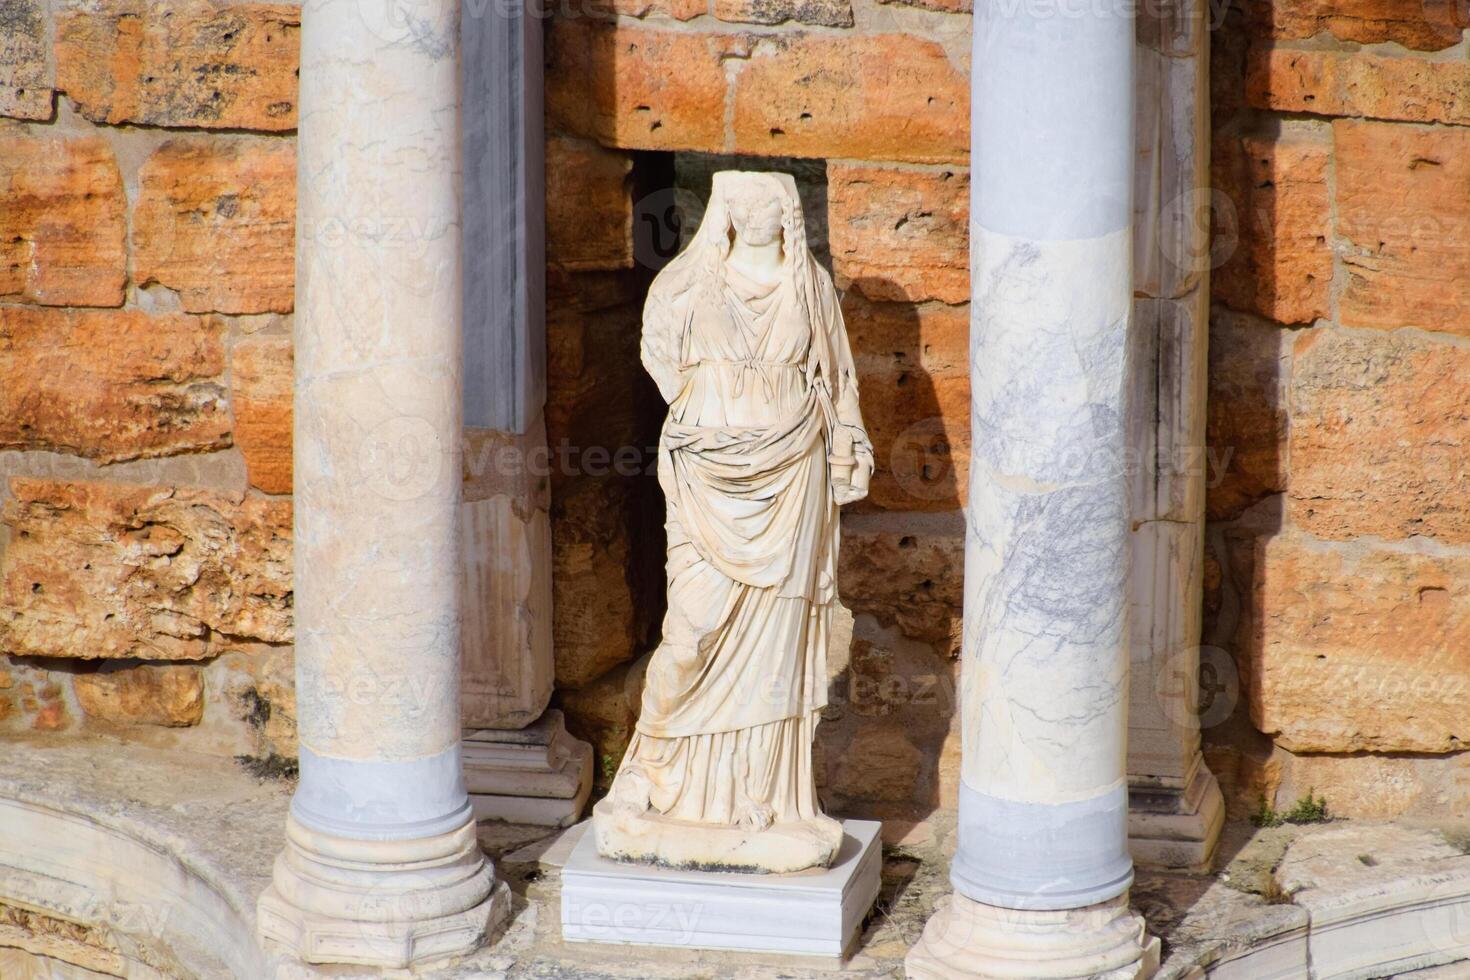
(1309,809)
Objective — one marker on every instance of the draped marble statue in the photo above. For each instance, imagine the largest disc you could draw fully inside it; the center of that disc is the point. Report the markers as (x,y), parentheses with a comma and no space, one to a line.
(763,441)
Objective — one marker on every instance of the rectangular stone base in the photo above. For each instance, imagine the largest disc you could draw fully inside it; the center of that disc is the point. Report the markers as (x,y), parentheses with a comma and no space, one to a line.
(537,775)
(812,913)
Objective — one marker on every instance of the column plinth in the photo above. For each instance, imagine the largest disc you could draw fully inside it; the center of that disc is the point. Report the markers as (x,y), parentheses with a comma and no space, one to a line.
(381,866)
(1042,870)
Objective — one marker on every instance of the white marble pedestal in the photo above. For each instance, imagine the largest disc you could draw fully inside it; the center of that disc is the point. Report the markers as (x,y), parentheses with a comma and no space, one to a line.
(539,774)
(816,913)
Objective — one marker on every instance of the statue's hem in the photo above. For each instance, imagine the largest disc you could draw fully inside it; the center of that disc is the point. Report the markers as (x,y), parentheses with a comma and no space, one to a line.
(783,848)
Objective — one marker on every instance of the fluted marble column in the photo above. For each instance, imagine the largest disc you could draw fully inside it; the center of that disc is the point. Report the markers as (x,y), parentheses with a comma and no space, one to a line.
(381,865)
(1042,872)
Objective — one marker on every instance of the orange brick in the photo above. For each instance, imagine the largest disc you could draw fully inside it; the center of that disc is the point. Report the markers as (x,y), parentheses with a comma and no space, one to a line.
(216,221)
(1380,435)
(1246,422)
(896,337)
(920,426)
(1280,265)
(887,97)
(1338,83)
(181,62)
(589,206)
(900,234)
(111,384)
(674,9)
(1403,201)
(166,695)
(1429,25)
(637,88)
(63,222)
(261,383)
(25,73)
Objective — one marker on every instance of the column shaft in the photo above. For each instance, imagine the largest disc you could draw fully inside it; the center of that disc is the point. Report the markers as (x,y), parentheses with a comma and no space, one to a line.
(1042,870)
(382,866)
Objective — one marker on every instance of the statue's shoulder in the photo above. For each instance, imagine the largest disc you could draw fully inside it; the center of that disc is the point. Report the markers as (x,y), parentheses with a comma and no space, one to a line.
(674,286)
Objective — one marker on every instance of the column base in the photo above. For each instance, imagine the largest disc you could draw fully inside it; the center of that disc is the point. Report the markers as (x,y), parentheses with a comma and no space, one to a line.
(965,940)
(1177,830)
(539,774)
(391,904)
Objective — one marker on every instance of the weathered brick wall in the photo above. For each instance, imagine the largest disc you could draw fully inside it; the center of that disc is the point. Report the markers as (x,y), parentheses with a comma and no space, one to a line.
(1340,390)
(147,204)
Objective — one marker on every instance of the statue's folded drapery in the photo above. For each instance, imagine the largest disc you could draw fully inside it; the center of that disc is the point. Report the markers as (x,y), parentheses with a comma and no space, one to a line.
(759,378)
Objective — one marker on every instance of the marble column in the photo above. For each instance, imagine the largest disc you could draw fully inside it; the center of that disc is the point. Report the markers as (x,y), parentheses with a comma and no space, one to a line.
(381,865)
(1042,870)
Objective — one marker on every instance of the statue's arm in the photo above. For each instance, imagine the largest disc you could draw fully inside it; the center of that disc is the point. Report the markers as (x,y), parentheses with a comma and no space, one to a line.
(662,346)
(845,397)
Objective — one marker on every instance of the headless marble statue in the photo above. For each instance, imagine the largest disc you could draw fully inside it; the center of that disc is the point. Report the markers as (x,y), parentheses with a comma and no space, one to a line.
(763,441)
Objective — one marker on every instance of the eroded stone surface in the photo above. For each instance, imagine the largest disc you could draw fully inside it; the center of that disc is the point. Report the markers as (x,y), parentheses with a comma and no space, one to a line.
(216,221)
(1402,205)
(25,70)
(884,97)
(1427,26)
(261,397)
(168,695)
(900,234)
(63,226)
(1280,263)
(1356,83)
(1380,431)
(1246,422)
(589,206)
(97,570)
(822,13)
(111,384)
(180,62)
(1358,647)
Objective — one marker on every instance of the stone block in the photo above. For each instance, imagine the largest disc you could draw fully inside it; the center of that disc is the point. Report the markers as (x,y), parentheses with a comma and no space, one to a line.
(1380,433)
(882,97)
(673,9)
(217,222)
(190,63)
(1428,26)
(896,337)
(1246,414)
(880,763)
(1358,647)
(818,13)
(1357,83)
(589,206)
(64,224)
(166,695)
(919,423)
(1279,263)
(111,385)
(1402,206)
(26,75)
(106,571)
(261,385)
(637,88)
(906,570)
(900,234)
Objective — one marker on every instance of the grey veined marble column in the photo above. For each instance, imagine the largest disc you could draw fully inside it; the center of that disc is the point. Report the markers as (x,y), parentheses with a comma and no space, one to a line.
(1042,872)
(381,865)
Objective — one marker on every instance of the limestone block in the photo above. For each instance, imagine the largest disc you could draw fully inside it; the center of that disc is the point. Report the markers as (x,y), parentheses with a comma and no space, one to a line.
(932,338)
(1279,262)
(1358,647)
(64,222)
(636,88)
(98,570)
(111,385)
(168,695)
(180,62)
(900,234)
(674,9)
(1401,204)
(883,97)
(1379,437)
(880,763)
(1246,412)
(589,206)
(1427,27)
(261,397)
(216,221)
(819,13)
(905,572)
(921,439)
(26,75)
(1357,83)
